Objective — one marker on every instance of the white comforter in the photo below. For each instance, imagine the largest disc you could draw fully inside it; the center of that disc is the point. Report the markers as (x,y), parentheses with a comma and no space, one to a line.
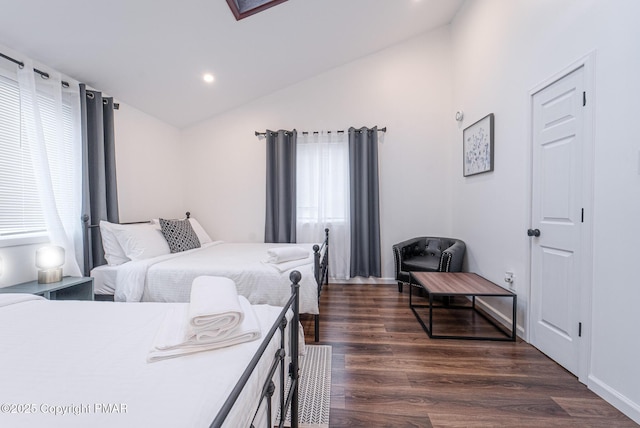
(168,278)
(81,364)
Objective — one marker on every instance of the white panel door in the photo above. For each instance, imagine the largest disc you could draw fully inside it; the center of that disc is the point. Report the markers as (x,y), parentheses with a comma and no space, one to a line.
(558,134)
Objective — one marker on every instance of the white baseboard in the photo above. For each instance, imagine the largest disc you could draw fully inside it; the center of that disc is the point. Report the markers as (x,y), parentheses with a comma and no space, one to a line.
(613,397)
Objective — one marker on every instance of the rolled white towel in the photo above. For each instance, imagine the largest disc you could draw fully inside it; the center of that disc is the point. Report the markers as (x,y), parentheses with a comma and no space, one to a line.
(286,254)
(173,338)
(214,307)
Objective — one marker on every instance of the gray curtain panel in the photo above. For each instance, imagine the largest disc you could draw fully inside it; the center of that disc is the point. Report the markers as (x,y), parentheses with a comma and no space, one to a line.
(99,188)
(365,211)
(280,219)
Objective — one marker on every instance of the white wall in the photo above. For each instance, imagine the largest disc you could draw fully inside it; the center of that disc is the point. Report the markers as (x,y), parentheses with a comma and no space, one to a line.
(503,49)
(406,87)
(18,264)
(148,167)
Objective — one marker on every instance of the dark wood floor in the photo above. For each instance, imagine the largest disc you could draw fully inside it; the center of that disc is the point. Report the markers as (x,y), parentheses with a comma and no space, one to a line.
(386,372)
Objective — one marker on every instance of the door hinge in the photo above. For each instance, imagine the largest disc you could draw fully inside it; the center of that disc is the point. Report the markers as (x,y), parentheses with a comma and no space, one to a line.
(579,329)
(584,99)
(582,216)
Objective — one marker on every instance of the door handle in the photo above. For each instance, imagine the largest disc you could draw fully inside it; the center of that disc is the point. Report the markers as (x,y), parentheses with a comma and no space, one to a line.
(533,232)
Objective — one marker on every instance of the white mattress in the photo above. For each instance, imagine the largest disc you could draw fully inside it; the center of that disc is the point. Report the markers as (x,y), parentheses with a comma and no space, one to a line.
(168,278)
(104,279)
(84,356)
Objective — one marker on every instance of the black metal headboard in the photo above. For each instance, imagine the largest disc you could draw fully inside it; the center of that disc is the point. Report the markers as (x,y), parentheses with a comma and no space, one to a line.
(93,249)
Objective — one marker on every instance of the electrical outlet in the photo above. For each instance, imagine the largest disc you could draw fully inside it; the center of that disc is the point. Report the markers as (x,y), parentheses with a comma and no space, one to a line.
(509,278)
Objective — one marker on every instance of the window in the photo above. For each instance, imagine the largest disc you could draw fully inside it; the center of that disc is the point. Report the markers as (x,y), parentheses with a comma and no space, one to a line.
(322,194)
(21,211)
(322,179)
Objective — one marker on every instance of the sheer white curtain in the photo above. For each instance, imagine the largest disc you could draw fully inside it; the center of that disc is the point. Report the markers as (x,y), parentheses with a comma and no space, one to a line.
(50,118)
(323,195)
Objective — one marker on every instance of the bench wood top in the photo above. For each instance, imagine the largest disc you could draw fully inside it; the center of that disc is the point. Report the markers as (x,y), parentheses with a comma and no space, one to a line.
(458,283)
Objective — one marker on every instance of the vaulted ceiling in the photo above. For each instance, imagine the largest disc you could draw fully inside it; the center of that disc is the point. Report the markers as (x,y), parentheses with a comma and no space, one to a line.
(152,54)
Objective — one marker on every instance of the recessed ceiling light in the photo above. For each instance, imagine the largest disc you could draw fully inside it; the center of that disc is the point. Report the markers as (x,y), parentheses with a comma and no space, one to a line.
(208,77)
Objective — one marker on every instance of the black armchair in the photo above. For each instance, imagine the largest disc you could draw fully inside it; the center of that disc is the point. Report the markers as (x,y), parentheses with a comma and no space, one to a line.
(427,254)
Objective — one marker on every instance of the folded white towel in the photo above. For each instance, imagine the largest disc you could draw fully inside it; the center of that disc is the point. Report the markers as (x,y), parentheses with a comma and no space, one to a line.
(285,266)
(214,307)
(286,254)
(174,339)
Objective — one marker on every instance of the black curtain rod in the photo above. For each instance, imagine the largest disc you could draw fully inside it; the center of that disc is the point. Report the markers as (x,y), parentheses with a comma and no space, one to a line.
(317,132)
(43,74)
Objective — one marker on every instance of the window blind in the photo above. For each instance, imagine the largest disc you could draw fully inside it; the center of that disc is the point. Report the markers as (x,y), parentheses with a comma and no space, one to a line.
(20,206)
(20,210)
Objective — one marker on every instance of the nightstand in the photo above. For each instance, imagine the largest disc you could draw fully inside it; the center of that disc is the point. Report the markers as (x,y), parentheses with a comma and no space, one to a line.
(70,288)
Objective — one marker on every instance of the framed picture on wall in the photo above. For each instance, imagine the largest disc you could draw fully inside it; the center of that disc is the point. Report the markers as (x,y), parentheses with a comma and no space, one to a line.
(477,152)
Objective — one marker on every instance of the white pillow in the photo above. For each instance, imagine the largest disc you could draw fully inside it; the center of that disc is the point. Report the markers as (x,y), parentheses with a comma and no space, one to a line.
(113,252)
(140,241)
(202,234)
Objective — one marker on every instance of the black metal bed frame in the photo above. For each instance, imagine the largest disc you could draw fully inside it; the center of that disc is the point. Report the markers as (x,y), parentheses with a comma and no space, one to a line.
(320,262)
(321,271)
(288,399)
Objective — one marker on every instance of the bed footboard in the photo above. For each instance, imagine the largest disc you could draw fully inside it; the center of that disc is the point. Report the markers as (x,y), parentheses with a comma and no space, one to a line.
(288,399)
(321,270)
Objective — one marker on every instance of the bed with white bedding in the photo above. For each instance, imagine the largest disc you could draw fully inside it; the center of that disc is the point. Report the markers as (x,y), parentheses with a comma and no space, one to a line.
(168,278)
(139,270)
(79,363)
(104,280)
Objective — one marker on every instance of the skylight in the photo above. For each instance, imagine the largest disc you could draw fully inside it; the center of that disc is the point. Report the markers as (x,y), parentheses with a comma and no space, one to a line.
(243,8)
